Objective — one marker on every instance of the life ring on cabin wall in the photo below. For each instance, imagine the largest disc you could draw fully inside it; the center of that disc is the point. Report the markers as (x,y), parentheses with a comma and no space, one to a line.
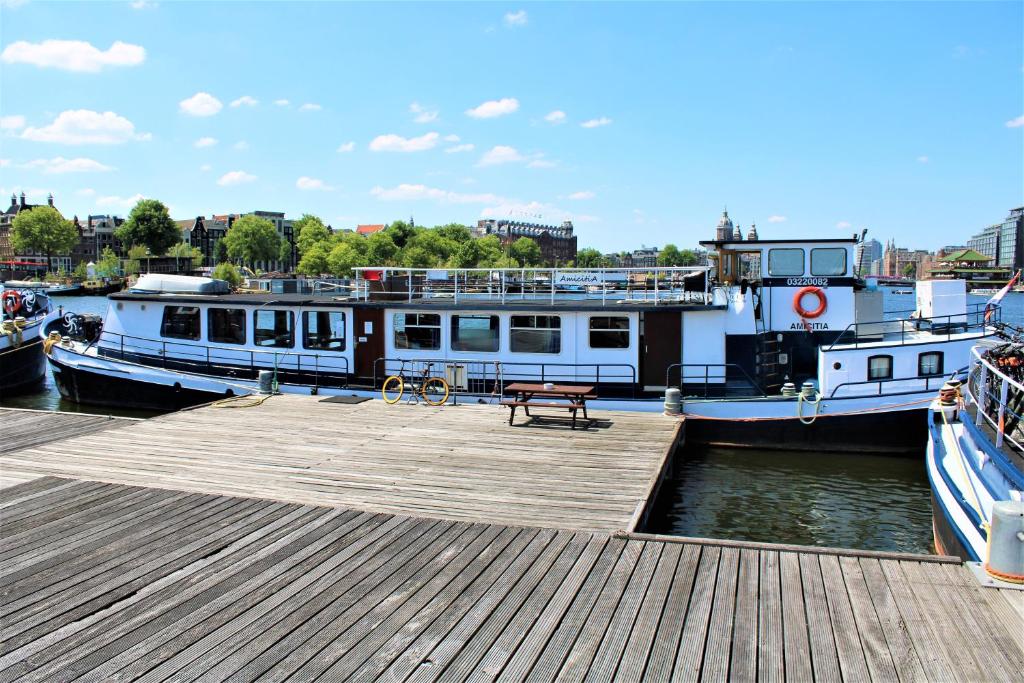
(798,302)
(12,301)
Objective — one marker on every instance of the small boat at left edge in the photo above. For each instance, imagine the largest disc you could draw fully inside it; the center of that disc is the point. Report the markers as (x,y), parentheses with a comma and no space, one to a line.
(25,315)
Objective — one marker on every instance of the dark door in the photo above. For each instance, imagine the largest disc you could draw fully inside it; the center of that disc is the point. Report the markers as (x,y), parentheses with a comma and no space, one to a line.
(369,340)
(661,346)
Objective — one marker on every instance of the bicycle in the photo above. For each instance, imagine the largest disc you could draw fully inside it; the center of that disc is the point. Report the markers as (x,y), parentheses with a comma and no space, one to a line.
(433,390)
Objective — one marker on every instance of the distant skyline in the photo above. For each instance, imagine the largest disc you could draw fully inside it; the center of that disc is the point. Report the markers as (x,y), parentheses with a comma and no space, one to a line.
(639,122)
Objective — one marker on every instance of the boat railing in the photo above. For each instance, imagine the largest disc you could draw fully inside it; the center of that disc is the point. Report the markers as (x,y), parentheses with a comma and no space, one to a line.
(998,398)
(655,285)
(713,380)
(906,330)
(292,367)
(479,377)
(893,386)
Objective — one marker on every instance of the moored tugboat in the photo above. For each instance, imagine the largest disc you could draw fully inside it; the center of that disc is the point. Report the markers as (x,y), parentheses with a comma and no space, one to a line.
(23,320)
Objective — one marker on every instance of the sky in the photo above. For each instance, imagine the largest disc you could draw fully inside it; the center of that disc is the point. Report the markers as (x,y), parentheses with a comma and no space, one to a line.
(638,122)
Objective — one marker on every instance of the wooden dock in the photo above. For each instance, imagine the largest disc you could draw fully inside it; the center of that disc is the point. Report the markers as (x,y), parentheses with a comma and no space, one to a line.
(105,582)
(454,462)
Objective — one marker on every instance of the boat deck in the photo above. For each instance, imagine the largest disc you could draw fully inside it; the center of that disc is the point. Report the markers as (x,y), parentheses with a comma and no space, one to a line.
(106,582)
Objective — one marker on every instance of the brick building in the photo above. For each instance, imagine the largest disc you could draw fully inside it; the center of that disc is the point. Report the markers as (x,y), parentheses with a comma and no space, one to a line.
(557,243)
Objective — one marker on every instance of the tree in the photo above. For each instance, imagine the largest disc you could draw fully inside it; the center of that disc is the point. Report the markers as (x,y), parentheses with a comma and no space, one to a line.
(108,265)
(380,249)
(309,230)
(314,260)
(229,273)
(252,239)
(467,255)
(689,257)
(133,265)
(150,225)
(400,233)
(525,251)
(285,253)
(43,230)
(489,249)
(909,269)
(588,257)
(671,255)
(81,271)
(455,232)
(506,262)
(344,257)
(183,251)
(418,257)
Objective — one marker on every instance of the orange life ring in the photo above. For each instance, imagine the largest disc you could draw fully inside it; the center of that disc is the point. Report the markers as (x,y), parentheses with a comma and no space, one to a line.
(822,302)
(12,301)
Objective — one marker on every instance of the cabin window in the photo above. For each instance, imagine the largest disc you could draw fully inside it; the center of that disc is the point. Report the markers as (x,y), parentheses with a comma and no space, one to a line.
(880,367)
(323,330)
(225,325)
(786,262)
(274,328)
(474,333)
(929,364)
(418,331)
(609,332)
(830,261)
(180,322)
(536,334)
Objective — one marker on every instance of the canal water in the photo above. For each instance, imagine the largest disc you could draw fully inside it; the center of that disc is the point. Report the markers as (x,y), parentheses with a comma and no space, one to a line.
(827,499)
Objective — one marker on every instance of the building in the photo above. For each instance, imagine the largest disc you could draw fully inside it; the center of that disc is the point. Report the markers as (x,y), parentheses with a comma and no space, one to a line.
(905,263)
(98,234)
(1003,242)
(968,264)
(557,243)
(285,231)
(367,230)
(205,234)
(866,253)
(28,260)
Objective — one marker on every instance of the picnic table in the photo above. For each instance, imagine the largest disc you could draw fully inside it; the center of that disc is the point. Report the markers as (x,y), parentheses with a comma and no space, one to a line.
(526,394)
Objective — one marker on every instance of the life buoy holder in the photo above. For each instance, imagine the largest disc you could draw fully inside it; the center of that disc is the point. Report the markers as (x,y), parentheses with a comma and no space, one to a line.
(798,302)
(12,301)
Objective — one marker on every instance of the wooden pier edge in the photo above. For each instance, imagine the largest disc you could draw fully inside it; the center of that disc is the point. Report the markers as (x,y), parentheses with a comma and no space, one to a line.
(643,508)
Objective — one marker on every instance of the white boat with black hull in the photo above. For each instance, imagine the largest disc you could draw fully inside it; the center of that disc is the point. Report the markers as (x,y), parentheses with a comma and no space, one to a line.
(24,315)
(727,337)
(975,461)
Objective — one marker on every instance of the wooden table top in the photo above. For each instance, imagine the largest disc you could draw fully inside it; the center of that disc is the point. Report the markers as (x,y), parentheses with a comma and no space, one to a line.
(567,389)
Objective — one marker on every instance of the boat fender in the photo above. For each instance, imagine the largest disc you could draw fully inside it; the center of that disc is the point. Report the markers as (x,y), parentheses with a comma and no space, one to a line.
(1006,542)
(798,302)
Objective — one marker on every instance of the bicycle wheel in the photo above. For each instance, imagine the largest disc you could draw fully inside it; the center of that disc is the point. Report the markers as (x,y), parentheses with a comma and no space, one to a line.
(393,389)
(435,391)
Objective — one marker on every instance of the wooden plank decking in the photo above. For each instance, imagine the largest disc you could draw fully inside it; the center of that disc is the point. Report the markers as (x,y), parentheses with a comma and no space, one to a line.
(455,462)
(105,582)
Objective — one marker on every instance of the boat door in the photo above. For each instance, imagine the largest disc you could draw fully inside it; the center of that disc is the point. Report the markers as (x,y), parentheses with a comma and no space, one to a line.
(662,346)
(369,340)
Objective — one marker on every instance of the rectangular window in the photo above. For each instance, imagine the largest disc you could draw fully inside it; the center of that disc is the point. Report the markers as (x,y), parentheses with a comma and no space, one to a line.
(609,332)
(418,331)
(536,334)
(323,330)
(929,364)
(180,322)
(831,261)
(225,325)
(474,333)
(880,367)
(274,328)
(786,262)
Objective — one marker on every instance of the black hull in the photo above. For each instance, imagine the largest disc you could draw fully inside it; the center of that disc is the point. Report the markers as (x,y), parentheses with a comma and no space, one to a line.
(22,369)
(946,540)
(94,388)
(902,432)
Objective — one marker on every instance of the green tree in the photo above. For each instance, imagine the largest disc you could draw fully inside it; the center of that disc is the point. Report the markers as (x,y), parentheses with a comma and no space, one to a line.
(344,257)
(285,253)
(229,273)
(670,256)
(149,224)
(588,257)
(220,252)
(489,249)
(109,264)
(252,239)
(455,232)
(43,230)
(506,262)
(380,249)
(314,260)
(81,271)
(400,233)
(466,255)
(418,257)
(909,269)
(182,251)
(525,251)
(136,254)
(309,230)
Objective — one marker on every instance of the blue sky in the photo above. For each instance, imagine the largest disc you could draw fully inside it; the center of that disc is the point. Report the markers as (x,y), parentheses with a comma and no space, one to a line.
(637,121)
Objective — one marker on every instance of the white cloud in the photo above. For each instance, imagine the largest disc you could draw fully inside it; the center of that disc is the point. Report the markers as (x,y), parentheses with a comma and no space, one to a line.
(86,127)
(245,100)
(555,117)
(410,192)
(310,106)
(595,123)
(12,122)
(85,192)
(639,216)
(4,163)
(282,102)
(205,142)
(514,19)
(923,159)
(73,55)
(423,115)
(235,178)
(843,225)
(542,163)
(531,211)
(451,138)
(123,202)
(776,219)
(346,147)
(200,104)
(460,148)
(1015,123)
(583,194)
(241,145)
(205,167)
(493,108)
(12,4)
(307,183)
(62,165)
(500,154)
(143,4)
(396,143)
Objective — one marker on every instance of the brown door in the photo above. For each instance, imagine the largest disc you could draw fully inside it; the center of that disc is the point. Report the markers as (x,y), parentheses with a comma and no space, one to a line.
(369,340)
(661,346)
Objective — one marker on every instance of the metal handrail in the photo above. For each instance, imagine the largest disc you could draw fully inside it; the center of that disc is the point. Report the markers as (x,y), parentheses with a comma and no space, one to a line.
(681,367)
(940,378)
(950,325)
(983,373)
